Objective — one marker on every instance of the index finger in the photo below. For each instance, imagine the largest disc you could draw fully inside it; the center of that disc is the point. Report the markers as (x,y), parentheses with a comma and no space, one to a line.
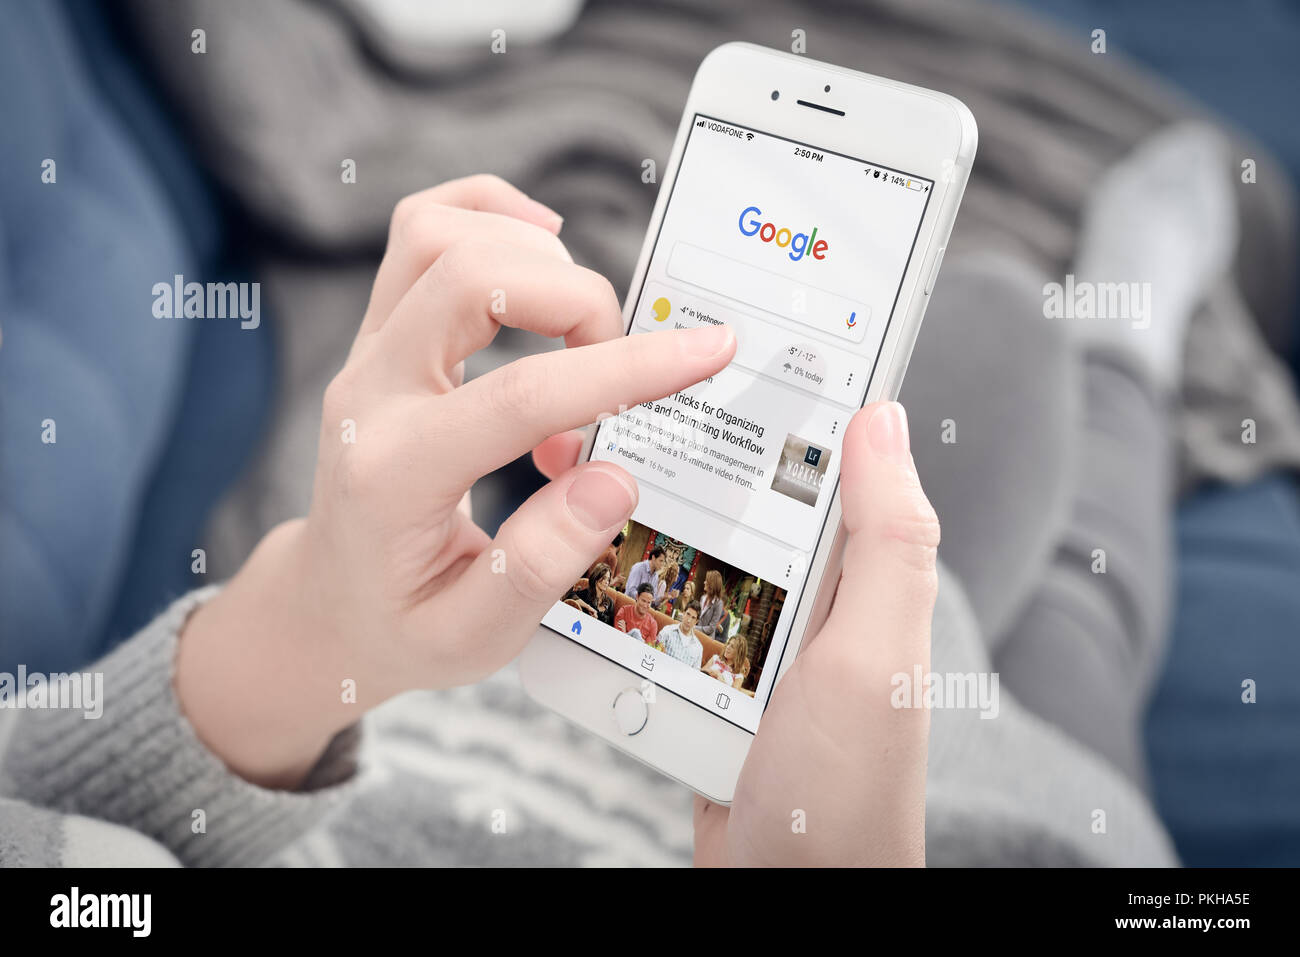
(494,419)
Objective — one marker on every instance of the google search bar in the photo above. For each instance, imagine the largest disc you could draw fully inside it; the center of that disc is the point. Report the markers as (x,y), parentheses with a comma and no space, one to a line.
(769,291)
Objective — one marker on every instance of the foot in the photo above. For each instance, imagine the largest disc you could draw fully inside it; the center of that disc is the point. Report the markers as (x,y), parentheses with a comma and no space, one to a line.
(1163,223)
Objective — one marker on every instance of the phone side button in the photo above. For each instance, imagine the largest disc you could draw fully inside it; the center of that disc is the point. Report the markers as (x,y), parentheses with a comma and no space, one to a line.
(934,270)
(631,713)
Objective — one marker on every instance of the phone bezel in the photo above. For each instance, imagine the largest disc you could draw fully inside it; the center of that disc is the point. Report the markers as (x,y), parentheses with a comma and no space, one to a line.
(925,133)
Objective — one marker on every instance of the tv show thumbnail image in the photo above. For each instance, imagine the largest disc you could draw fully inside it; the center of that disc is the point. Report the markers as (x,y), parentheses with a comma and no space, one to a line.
(682,602)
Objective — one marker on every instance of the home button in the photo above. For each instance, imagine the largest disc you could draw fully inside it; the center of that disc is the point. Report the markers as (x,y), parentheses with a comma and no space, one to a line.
(630,711)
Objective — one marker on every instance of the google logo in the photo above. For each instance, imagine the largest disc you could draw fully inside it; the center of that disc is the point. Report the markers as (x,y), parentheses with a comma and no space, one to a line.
(799,243)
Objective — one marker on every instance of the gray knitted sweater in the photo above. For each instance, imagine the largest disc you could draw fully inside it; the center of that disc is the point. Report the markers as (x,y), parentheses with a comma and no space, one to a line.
(126,788)
(135,786)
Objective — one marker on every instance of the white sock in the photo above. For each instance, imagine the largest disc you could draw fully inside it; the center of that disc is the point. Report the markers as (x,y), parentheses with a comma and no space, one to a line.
(1158,231)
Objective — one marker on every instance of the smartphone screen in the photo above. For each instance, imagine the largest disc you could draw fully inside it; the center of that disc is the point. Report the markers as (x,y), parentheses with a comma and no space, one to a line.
(803,252)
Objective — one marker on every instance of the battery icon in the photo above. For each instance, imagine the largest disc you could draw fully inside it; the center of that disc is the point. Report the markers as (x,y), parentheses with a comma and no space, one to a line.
(915,184)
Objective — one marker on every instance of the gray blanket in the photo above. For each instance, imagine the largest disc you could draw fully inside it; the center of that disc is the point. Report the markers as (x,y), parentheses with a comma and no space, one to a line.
(289,90)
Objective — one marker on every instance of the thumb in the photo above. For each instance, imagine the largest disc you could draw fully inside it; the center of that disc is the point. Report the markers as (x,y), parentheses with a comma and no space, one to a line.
(887,588)
(832,742)
(538,553)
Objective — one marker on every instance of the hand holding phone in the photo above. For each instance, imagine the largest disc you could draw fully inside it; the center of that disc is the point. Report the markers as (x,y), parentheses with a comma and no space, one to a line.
(836,775)
(807,207)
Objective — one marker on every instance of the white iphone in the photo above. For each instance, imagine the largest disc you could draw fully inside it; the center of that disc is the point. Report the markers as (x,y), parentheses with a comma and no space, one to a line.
(807,206)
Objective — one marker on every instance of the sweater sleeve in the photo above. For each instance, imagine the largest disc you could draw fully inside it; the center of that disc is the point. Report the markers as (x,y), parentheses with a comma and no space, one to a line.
(140,763)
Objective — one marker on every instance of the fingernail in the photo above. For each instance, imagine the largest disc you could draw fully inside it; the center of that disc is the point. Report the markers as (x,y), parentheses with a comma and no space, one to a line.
(549,218)
(598,500)
(708,341)
(887,431)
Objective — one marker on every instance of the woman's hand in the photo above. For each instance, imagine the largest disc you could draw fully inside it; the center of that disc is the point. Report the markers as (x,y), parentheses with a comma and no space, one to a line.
(836,774)
(388,585)
(831,754)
